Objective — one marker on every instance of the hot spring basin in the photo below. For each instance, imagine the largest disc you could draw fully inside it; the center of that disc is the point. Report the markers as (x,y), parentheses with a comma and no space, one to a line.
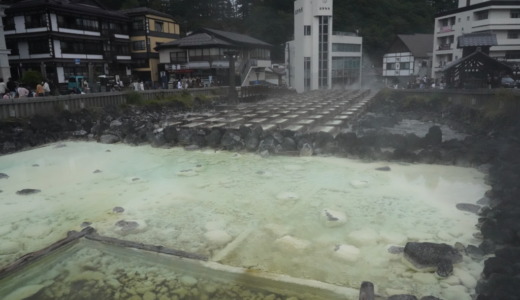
(325,219)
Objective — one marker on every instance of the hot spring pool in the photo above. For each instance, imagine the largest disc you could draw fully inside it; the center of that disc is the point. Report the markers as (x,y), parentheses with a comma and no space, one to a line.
(264,214)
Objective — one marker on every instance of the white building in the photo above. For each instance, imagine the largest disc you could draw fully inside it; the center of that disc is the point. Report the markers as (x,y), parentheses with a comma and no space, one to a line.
(408,58)
(502,18)
(319,58)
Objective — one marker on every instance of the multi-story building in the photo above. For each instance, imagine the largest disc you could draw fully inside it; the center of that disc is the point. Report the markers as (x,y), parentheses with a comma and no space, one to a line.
(408,58)
(206,53)
(149,29)
(5,72)
(65,38)
(502,18)
(319,58)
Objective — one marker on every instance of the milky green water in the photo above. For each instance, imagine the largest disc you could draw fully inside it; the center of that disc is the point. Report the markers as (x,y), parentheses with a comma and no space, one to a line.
(265,214)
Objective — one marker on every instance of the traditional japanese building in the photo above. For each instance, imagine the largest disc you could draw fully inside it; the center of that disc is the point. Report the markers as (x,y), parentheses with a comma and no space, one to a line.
(66,38)
(207,53)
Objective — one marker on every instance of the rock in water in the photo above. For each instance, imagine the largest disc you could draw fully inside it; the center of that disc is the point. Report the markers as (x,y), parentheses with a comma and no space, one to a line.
(385,168)
(395,249)
(439,257)
(109,139)
(472,208)
(3,176)
(118,209)
(124,227)
(333,218)
(306,150)
(27,191)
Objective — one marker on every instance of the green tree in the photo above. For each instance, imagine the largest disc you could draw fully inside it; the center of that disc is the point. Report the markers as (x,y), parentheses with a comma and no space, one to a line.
(31,78)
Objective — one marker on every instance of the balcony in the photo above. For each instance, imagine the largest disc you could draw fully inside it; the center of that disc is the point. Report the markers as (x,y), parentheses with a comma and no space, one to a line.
(445,47)
(444,29)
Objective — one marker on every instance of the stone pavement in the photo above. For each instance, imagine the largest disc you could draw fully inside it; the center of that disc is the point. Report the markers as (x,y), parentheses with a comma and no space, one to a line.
(326,111)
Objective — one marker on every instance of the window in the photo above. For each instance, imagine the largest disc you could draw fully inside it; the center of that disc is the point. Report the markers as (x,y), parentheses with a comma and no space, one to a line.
(307,73)
(323,52)
(514,54)
(138,24)
(346,47)
(141,63)
(138,45)
(9,23)
(35,21)
(39,46)
(178,58)
(260,54)
(390,66)
(121,49)
(404,66)
(481,15)
(13,46)
(345,70)
(159,26)
(306,30)
(513,34)
(73,22)
(515,13)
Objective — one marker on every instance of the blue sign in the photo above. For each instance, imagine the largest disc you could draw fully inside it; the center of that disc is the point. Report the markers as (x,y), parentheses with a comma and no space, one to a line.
(77,61)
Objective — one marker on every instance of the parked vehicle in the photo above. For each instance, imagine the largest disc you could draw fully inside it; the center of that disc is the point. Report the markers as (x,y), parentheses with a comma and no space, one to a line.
(508,82)
(75,84)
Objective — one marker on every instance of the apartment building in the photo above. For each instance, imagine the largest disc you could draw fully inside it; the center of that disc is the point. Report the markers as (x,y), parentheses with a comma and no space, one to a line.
(500,18)
(318,57)
(65,38)
(148,29)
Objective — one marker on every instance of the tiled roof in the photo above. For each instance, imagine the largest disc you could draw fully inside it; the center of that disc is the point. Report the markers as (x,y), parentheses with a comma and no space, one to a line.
(236,38)
(210,37)
(143,11)
(74,6)
(419,44)
(477,39)
(196,40)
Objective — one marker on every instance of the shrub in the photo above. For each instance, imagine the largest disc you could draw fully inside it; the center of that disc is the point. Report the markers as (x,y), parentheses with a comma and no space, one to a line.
(31,78)
(133,97)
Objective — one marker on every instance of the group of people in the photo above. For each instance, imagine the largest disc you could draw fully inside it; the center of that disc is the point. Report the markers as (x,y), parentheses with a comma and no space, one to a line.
(11,89)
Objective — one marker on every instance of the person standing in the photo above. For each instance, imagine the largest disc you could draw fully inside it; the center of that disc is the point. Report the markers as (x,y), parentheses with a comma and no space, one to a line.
(22,92)
(11,85)
(40,92)
(3,86)
(46,88)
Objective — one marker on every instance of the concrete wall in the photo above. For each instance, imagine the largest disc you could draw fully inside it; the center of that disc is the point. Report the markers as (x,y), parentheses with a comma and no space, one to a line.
(27,107)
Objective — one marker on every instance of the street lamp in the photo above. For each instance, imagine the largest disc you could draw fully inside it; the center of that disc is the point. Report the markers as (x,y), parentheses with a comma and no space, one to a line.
(232,95)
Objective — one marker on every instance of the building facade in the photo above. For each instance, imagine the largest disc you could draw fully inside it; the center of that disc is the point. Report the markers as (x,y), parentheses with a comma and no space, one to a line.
(408,58)
(51,37)
(502,18)
(148,29)
(206,54)
(5,71)
(319,58)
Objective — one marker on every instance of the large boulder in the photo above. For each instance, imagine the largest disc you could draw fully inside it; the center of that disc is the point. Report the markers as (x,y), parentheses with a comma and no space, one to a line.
(433,137)
(432,256)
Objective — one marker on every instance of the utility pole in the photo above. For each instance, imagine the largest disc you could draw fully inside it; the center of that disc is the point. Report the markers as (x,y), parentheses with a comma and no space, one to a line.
(232,94)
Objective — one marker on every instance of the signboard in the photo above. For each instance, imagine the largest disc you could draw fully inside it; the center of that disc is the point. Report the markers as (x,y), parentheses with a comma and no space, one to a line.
(77,61)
